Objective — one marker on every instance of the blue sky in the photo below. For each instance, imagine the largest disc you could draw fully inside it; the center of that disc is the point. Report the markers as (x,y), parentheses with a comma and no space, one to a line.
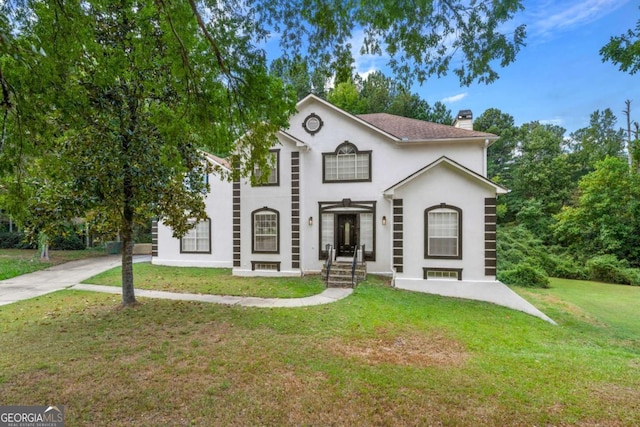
(559,76)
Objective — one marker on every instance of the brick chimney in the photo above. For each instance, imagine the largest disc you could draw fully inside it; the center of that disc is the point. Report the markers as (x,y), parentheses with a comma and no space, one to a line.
(464,120)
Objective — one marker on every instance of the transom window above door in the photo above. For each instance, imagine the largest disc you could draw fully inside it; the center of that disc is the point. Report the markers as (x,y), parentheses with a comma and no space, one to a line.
(346,164)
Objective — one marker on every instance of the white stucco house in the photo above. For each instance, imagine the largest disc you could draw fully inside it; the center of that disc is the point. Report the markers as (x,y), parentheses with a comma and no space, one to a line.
(412,196)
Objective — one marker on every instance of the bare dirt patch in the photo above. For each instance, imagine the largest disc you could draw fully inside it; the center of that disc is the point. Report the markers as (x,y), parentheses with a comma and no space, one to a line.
(421,349)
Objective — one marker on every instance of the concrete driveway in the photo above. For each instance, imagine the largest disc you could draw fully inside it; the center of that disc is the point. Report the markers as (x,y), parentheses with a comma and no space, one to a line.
(56,278)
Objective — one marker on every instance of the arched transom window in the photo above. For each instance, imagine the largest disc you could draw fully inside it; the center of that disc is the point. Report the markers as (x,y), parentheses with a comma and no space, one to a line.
(347,164)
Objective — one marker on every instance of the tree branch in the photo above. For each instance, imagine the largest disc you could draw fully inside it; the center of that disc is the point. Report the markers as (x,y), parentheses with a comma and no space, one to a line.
(209,38)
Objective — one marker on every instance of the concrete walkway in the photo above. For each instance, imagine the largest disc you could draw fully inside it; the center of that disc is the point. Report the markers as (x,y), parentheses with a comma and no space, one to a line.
(53,279)
(327,296)
(70,274)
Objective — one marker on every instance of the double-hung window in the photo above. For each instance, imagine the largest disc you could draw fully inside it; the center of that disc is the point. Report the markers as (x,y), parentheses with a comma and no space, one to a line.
(346,164)
(274,173)
(198,239)
(443,225)
(265,231)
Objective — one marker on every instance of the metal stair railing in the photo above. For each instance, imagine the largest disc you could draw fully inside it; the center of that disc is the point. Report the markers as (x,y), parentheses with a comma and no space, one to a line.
(329,262)
(354,263)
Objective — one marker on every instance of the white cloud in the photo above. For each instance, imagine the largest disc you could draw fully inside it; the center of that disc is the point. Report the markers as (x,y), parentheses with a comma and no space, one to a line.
(454,98)
(545,18)
(365,64)
(557,121)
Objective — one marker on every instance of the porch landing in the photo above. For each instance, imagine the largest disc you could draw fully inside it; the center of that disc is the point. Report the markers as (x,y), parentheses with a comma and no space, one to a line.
(494,292)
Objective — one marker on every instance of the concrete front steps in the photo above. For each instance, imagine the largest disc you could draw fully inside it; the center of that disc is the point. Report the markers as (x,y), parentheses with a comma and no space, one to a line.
(340,274)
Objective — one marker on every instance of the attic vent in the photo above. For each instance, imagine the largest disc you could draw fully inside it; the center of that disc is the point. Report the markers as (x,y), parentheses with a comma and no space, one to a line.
(312,123)
(464,120)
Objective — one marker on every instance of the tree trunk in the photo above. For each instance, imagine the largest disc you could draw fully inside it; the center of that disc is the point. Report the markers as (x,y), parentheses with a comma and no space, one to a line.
(126,231)
(128,295)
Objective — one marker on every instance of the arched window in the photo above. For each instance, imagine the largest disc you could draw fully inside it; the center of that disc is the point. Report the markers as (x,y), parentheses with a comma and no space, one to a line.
(443,232)
(346,164)
(266,231)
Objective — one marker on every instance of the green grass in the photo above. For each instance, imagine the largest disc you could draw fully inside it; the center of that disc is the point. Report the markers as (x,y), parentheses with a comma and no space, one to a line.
(217,281)
(617,306)
(379,357)
(15,262)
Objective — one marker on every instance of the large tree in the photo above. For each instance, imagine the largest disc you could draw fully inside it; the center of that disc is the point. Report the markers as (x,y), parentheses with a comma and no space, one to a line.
(541,177)
(127,94)
(500,155)
(124,93)
(606,216)
(595,142)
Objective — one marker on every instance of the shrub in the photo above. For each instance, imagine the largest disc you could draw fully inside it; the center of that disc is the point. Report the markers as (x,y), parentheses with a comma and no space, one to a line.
(609,269)
(517,245)
(14,240)
(67,242)
(524,275)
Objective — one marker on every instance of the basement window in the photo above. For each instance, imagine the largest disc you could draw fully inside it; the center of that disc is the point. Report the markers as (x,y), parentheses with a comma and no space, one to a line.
(265,266)
(442,274)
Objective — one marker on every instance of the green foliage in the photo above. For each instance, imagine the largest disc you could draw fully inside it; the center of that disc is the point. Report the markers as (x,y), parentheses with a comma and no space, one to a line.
(381,94)
(606,217)
(345,95)
(542,170)
(525,275)
(532,216)
(15,240)
(67,242)
(594,143)
(609,269)
(417,38)
(624,50)
(517,246)
(500,155)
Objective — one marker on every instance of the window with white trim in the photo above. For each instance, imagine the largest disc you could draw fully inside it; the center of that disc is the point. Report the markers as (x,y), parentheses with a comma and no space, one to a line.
(198,239)
(265,231)
(347,164)
(443,232)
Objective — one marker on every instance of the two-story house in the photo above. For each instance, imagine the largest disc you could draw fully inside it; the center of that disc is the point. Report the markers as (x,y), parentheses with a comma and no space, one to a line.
(408,198)
(411,195)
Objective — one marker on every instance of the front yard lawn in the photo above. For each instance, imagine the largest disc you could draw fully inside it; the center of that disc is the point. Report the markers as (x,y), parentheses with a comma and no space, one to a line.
(215,281)
(379,357)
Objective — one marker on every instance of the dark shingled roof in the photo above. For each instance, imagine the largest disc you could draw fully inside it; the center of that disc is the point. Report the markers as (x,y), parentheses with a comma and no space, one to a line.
(407,129)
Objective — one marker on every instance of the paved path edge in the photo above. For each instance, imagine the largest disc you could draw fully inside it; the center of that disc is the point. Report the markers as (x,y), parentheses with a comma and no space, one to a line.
(327,296)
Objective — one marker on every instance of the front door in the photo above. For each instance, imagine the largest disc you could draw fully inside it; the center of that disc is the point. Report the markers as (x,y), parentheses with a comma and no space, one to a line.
(347,234)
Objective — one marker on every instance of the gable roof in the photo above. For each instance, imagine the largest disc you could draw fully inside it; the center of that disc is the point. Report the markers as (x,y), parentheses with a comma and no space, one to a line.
(296,141)
(402,130)
(217,161)
(409,130)
(447,161)
(313,98)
